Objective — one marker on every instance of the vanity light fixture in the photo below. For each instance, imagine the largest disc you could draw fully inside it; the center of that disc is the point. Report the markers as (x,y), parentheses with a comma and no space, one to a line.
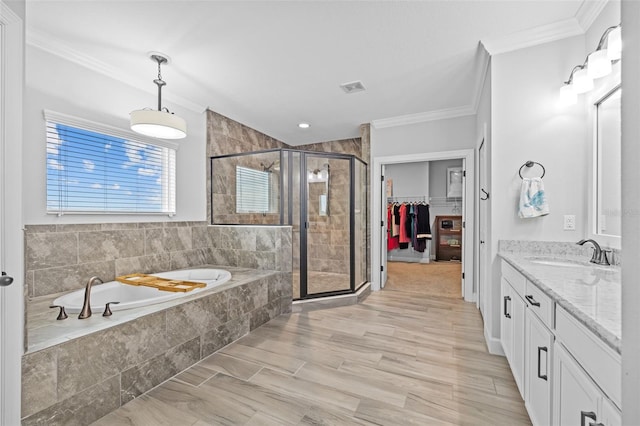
(596,65)
(161,123)
(304,125)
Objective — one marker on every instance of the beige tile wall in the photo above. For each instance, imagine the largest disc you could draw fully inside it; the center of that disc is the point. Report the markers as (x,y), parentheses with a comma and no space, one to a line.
(78,381)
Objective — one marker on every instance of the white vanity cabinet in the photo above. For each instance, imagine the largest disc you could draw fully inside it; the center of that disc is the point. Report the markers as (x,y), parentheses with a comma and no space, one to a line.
(527,342)
(577,399)
(565,373)
(587,377)
(538,369)
(512,330)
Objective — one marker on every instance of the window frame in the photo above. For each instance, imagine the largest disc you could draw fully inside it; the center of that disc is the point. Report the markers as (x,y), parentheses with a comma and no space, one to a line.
(269,191)
(169,197)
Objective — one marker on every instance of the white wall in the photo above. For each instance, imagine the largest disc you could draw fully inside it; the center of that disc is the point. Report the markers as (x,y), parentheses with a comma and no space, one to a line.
(631,208)
(483,222)
(409,180)
(527,124)
(60,85)
(431,136)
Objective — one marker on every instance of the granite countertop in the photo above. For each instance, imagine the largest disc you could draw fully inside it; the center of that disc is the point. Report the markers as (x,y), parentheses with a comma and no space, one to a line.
(43,330)
(591,293)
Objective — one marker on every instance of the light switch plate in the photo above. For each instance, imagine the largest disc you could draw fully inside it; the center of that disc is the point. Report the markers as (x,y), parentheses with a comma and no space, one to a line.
(569,222)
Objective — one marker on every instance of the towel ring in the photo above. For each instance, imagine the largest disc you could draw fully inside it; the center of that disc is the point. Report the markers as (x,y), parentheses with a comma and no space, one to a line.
(531,164)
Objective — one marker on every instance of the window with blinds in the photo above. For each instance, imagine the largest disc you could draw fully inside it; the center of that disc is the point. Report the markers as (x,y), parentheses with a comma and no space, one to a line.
(93,168)
(253,189)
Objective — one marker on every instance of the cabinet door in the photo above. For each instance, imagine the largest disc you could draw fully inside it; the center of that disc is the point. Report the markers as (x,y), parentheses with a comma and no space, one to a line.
(610,415)
(576,397)
(538,366)
(518,309)
(506,320)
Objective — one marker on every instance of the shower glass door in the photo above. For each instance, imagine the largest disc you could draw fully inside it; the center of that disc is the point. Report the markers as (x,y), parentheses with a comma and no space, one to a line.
(327,221)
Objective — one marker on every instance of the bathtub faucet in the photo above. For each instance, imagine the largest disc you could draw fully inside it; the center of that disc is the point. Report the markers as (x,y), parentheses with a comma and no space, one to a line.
(86,307)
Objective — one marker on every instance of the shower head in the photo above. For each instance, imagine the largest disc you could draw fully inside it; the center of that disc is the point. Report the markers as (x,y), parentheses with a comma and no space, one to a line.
(269,167)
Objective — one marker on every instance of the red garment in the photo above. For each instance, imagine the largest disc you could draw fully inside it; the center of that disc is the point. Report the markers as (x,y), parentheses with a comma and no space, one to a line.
(392,242)
(404,238)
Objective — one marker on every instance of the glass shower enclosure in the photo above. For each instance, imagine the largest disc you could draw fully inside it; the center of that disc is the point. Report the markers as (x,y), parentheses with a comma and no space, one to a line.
(323,196)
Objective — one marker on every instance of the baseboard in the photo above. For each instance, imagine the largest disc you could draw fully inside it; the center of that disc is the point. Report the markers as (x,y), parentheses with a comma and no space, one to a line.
(493,344)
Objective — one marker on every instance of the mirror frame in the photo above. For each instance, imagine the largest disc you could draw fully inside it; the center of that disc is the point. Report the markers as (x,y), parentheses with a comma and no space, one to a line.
(604,87)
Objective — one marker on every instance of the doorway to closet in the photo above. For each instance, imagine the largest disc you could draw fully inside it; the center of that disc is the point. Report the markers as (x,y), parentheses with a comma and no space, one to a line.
(379,267)
(424,227)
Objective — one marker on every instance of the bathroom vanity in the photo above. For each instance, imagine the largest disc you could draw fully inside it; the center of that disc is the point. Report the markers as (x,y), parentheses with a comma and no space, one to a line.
(560,325)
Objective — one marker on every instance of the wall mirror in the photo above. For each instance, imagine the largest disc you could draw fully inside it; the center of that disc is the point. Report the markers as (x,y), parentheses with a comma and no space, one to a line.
(608,121)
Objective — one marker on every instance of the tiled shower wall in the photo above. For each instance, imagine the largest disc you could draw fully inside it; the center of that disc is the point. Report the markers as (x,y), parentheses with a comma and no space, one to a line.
(227,136)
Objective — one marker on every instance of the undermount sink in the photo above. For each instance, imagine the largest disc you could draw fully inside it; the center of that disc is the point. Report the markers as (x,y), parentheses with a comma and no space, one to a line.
(558,262)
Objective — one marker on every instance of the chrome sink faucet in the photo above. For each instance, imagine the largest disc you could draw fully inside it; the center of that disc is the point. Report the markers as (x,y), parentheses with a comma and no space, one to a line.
(86,307)
(599,256)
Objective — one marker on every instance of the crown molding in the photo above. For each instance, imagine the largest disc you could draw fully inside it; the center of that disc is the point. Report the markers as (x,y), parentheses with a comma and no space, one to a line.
(421,117)
(482,68)
(45,42)
(533,36)
(588,12)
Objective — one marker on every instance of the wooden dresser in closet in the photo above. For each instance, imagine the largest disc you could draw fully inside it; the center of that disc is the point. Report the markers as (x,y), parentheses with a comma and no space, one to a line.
(448,237)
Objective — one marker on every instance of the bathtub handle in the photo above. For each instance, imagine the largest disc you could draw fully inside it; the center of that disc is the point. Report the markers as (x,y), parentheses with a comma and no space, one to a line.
(107,310)
(62,314)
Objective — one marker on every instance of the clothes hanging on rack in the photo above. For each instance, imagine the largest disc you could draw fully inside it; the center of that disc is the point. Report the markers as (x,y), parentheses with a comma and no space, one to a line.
(412,224)
(393,242)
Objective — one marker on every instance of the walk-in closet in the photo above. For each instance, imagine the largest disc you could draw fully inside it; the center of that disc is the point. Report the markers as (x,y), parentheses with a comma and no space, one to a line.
(423,224)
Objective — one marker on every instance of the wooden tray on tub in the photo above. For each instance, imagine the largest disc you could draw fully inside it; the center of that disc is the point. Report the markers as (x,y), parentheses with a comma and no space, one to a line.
(163,284)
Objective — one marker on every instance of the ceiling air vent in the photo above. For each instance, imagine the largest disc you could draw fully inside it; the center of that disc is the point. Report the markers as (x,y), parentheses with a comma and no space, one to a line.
(352,87)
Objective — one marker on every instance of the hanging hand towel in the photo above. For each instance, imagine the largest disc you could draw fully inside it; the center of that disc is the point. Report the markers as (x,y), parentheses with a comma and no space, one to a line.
(533,202)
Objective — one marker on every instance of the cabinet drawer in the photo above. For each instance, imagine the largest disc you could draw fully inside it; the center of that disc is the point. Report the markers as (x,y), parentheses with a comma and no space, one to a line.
(540,304)
(601,362)
(515,278)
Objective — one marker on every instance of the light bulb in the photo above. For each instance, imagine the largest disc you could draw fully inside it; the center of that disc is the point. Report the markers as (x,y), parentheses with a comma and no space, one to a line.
(614,44)
(581,81)
(568,95)
(598,64)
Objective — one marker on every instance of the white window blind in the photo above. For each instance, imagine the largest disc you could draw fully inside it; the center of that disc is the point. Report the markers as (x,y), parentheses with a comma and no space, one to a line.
(252,190)
(93,168)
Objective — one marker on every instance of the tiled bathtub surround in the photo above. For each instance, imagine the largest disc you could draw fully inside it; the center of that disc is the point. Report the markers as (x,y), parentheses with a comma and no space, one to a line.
(63,257)
(83,379)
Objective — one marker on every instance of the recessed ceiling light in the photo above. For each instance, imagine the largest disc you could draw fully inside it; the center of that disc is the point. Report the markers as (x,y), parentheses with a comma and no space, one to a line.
(304,125)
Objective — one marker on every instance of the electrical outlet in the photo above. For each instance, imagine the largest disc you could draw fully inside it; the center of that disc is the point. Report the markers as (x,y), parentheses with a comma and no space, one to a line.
(569,222)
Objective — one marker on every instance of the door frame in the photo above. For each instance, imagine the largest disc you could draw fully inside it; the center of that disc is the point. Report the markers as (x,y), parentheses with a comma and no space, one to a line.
(468,156)
(11,261)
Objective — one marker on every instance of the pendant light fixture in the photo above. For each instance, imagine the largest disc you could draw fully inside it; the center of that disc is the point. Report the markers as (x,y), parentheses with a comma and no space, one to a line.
(161,123)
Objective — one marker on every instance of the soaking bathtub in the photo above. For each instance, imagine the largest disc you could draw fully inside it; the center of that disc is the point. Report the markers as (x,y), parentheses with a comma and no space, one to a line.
(131,296)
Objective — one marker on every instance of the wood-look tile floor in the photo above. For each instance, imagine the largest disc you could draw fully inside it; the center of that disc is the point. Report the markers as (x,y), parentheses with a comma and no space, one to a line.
(398,358)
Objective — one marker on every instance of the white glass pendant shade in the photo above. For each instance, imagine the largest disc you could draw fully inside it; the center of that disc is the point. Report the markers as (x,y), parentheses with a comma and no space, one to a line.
(614,44)
(568,95)
(158,124)
(598,64)
(581,81)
